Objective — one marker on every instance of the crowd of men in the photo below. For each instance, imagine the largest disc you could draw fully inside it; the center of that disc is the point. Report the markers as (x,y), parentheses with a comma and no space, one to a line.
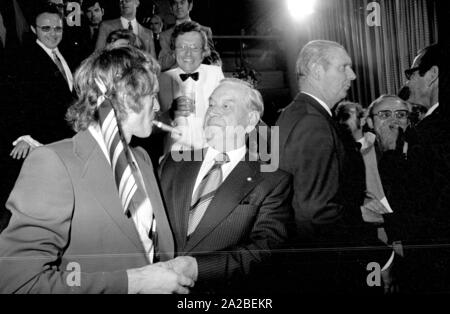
(193,211)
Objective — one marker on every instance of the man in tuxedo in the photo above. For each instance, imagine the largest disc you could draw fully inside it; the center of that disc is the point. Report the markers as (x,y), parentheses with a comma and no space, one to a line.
(190,79)
(224,210)
(45,84)
(429,169)
(181,9)
(328,172)
(128,21)
(94,12)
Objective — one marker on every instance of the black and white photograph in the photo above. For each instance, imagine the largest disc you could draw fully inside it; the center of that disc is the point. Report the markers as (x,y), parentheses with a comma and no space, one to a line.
(226,151)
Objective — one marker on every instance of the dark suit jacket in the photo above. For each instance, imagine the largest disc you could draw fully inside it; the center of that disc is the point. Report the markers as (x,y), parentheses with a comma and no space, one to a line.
(42,98)
(327,188)
(329,184)
(429,165)
(244,223)
(109,26)
(66,208)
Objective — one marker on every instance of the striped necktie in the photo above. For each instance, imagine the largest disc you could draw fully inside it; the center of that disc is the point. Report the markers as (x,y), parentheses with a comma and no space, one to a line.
(205,192)
(125,171)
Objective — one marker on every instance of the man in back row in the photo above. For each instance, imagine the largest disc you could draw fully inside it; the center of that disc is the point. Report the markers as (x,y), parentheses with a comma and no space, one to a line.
(328,175)
(127,20)
(180,9)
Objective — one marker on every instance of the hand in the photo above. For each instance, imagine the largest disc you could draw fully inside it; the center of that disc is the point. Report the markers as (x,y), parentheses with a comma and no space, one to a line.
(185,265)
(376,206)
(156,279)
(184,106)
(388,134)
(21,150)
(389,284)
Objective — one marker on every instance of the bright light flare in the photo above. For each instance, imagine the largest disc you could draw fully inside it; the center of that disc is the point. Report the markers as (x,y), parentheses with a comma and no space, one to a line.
(300,9)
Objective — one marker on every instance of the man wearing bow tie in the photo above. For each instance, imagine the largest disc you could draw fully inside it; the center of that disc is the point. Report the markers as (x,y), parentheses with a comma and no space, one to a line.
(190,79)
(223,208)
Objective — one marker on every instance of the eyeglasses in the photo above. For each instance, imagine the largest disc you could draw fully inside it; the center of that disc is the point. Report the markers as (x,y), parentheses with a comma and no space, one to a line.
(410,72)
(386,114)
(47,29)
(185,48)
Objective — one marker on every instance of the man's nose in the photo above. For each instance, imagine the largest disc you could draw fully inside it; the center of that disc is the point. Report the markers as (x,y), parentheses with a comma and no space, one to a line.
(351,75)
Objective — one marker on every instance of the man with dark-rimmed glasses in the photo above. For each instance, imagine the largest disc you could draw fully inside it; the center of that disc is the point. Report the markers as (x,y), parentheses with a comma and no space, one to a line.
(428,174)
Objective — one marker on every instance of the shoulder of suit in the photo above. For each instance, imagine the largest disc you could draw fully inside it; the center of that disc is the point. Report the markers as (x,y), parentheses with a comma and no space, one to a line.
(111,23)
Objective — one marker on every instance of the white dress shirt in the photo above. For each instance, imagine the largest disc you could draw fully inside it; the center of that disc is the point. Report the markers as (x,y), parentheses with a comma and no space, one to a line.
(134,23)
(432,109)
(63,62)
(171,87)
(142,216)
(208,161)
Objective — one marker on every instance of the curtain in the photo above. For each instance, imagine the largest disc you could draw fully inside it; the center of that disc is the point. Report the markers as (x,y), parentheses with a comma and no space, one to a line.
(380,54)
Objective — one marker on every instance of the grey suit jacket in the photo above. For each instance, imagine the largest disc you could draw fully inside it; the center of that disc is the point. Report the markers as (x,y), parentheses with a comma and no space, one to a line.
(109,26)
(66,208)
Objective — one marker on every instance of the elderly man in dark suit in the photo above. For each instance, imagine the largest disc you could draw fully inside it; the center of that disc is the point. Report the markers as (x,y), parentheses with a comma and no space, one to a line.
(224,209)
(328,174)
(128,21)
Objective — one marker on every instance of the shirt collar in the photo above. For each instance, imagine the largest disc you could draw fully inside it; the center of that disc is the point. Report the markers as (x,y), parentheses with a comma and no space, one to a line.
(432,109)
(235,155)
(186,20)
(96,133)
(46,49)
(322,103)
(125,22)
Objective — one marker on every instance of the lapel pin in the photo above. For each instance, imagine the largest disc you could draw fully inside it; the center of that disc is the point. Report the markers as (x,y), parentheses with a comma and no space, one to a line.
(249,179)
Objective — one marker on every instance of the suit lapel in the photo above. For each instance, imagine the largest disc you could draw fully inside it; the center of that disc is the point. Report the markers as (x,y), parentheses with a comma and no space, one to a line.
(166,247)
(244,177)
(98,176)
(182,196)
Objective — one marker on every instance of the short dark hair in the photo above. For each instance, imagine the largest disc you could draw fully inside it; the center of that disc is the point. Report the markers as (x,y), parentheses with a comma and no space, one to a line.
(344,108)
(90,3)
(187,27)
(172,2)
(429,57)
(46,7)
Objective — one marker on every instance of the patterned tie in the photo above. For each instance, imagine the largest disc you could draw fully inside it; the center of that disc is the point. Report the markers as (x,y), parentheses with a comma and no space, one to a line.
(59,65)
(122,165)
(205,192)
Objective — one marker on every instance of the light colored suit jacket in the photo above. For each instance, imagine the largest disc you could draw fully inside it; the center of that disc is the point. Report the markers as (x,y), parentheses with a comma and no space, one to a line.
(109,26)
(66,208)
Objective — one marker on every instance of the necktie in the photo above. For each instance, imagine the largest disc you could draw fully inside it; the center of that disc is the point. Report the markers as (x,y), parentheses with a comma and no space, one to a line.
(59,65)
(130,26)
(205,192)
(185,76)
(131,194)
